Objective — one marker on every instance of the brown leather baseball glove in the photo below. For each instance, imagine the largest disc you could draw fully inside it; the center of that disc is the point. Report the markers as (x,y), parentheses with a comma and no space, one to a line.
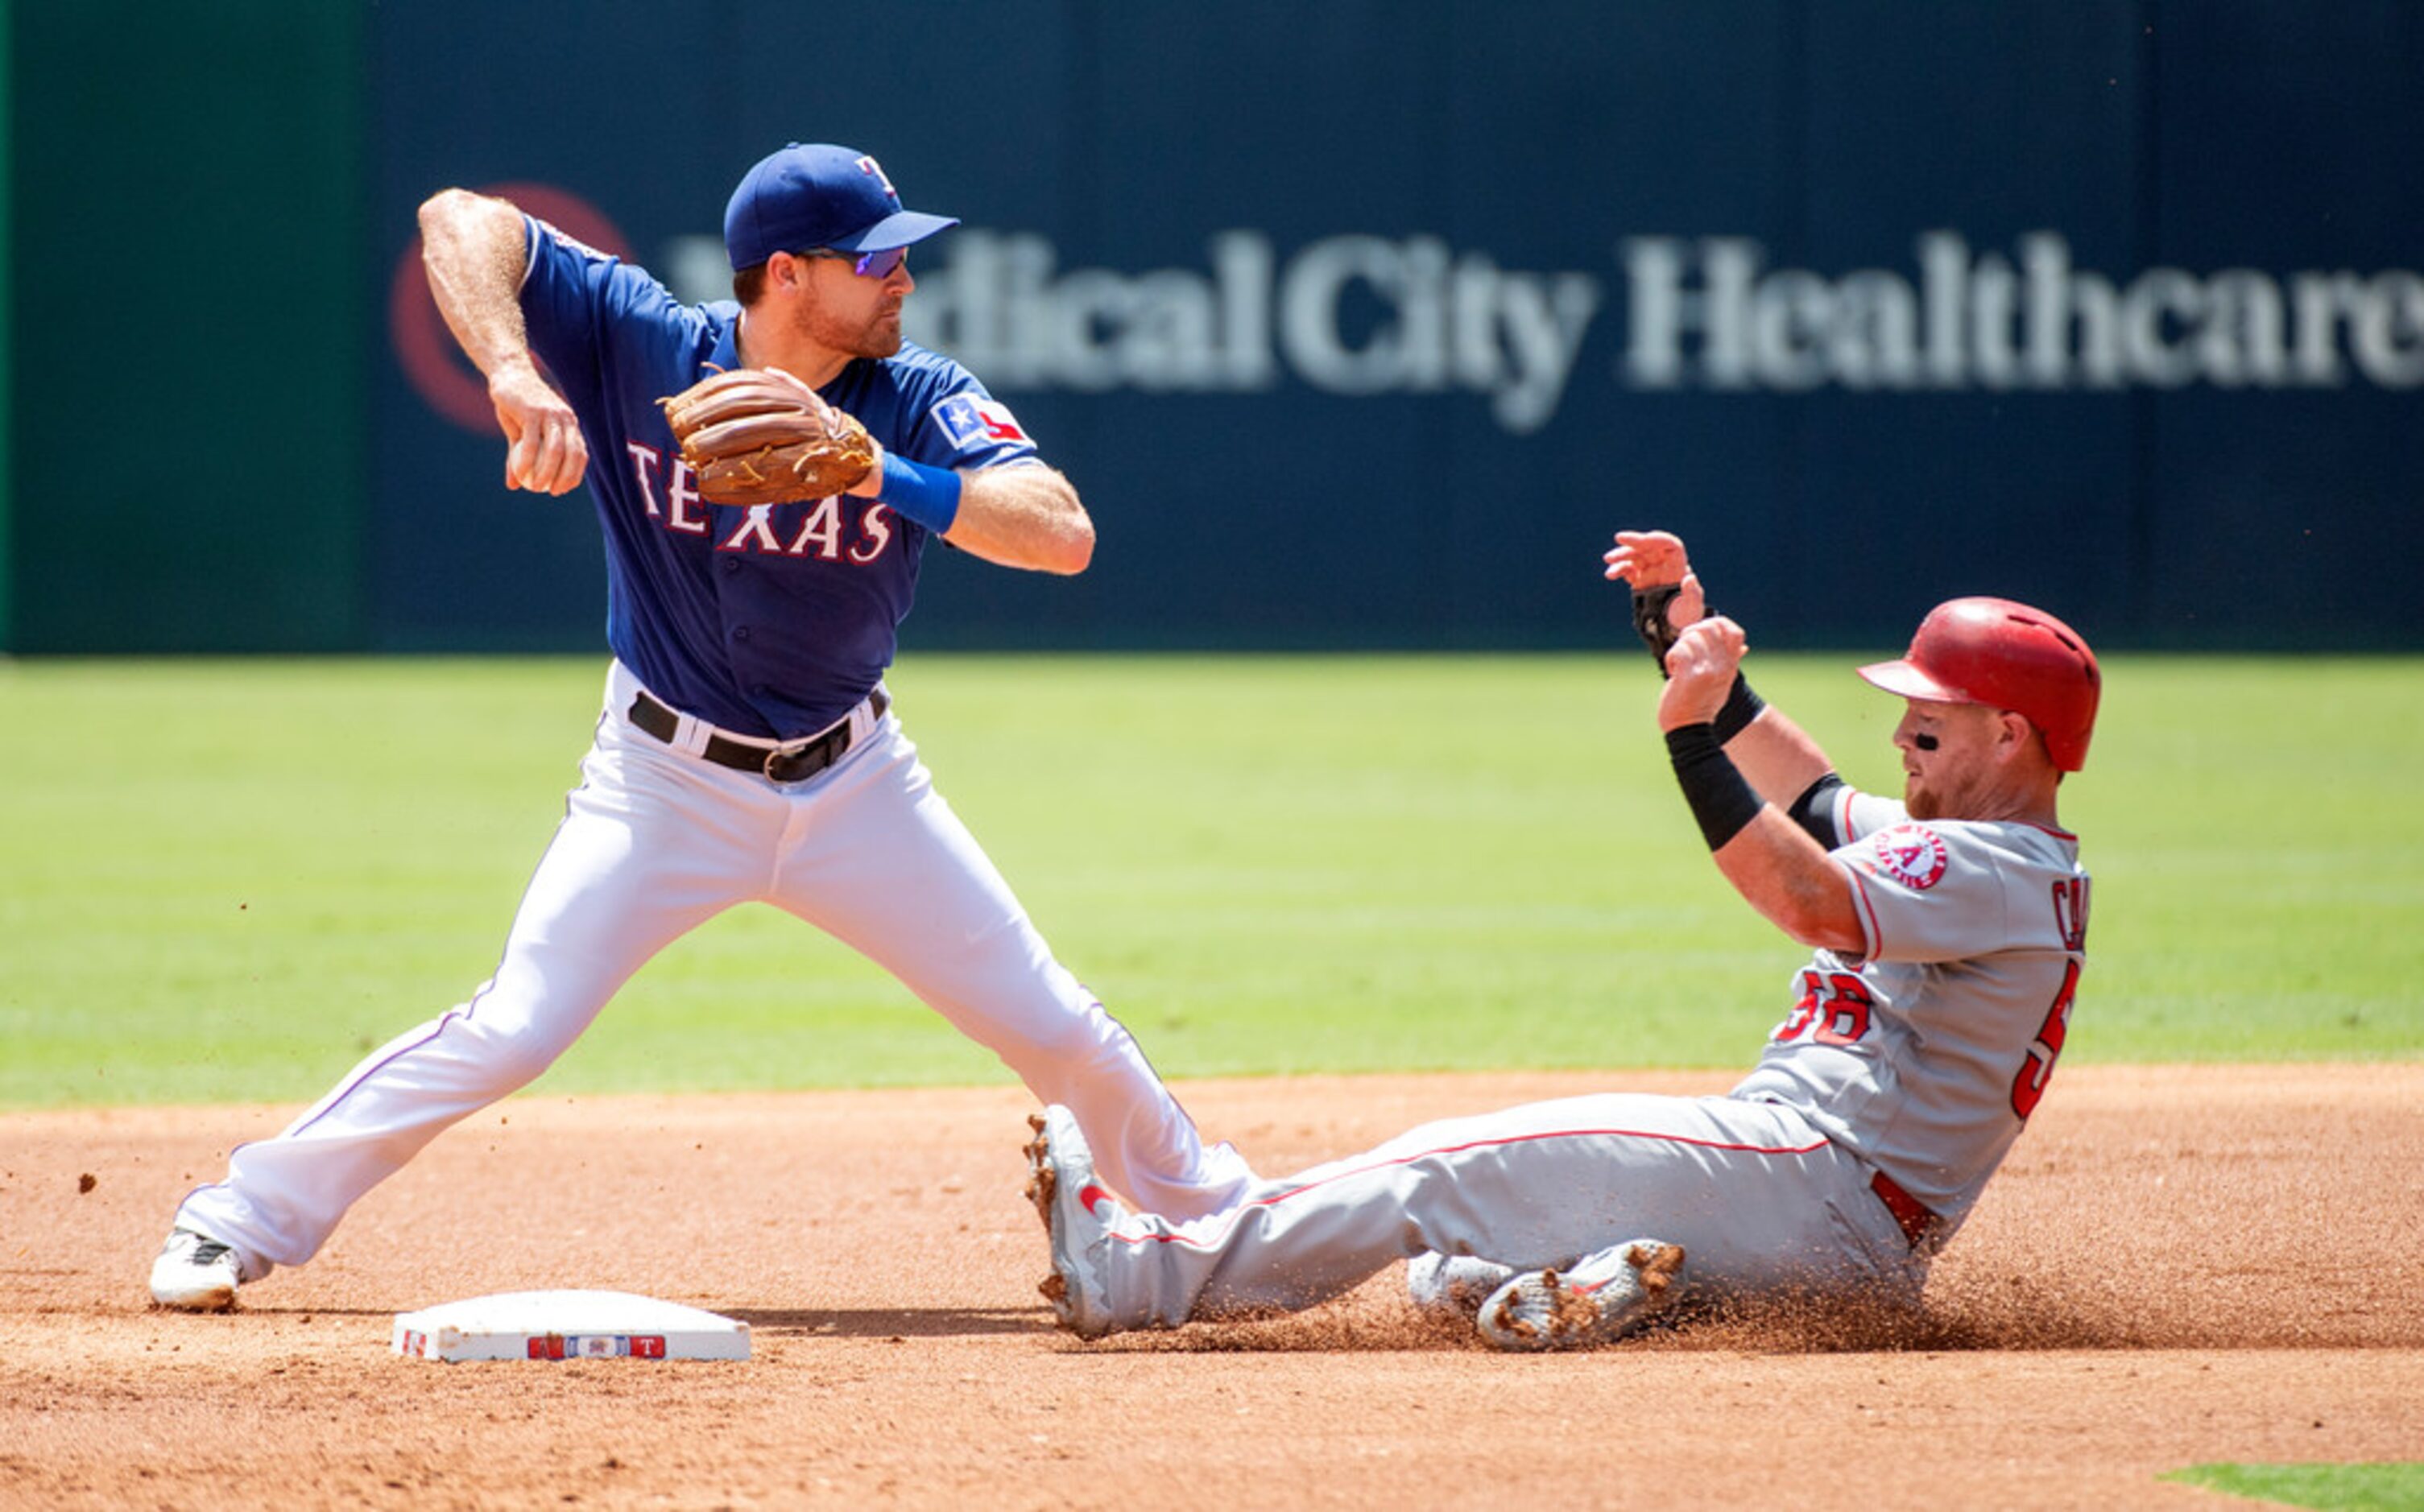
(758,436)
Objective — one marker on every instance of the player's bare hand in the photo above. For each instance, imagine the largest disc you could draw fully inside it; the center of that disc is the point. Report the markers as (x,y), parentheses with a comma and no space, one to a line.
(1701,671)
(544,452)
(1647,559)
(1654,559)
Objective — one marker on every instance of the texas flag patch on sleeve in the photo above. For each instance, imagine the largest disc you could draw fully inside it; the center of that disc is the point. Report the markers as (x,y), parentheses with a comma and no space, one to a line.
(970,420)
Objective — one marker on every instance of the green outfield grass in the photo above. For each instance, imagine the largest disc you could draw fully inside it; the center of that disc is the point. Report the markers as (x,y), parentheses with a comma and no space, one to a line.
(226,879)
(2385,1488)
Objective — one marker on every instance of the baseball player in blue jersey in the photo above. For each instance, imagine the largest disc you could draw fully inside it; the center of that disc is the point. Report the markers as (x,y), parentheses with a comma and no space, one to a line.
(1950,928)
(747,749)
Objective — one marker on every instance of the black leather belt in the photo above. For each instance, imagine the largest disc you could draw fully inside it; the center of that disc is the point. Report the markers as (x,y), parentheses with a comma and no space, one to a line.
(796,761)
(1918,1225)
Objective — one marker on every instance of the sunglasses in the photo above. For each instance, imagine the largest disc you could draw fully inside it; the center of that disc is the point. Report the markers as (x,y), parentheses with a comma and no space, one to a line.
(866,266)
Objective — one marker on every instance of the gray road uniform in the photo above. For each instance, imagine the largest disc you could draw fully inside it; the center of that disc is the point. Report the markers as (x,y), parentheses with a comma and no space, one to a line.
(1846,1159)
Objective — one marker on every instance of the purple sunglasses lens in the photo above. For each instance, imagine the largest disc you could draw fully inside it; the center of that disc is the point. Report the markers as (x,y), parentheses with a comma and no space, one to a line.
(882,264)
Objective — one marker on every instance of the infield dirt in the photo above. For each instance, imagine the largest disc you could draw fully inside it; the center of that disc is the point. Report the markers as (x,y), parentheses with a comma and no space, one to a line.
(2177,1266)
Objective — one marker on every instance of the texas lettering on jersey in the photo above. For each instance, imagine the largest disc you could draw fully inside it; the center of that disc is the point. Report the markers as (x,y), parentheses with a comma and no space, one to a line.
(835,528)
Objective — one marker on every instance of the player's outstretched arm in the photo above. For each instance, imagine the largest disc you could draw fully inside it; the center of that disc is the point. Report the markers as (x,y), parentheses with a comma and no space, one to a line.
(1024,515)
(472,247)
(1775,864)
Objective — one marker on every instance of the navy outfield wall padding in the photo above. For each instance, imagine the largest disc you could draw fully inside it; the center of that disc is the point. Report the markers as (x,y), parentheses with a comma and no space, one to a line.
(1355,326)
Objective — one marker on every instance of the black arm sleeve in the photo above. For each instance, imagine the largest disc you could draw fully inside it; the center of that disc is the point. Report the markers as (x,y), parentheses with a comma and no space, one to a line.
(1721,799)
(1814,810)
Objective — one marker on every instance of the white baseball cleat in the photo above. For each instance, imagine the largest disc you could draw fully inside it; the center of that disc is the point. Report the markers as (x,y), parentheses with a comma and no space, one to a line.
(195,1273)
(1077,1214)
(1601,1297)
(1453,1286)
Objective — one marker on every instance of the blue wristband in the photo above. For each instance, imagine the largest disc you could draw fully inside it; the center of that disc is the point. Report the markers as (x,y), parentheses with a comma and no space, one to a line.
(930,496)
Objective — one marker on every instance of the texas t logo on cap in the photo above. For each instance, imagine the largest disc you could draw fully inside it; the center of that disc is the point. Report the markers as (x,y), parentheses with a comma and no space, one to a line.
(819,195)
(868,164)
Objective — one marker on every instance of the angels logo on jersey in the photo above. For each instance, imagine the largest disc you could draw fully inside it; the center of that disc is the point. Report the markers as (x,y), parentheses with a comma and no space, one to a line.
(1911,854)
(968,420)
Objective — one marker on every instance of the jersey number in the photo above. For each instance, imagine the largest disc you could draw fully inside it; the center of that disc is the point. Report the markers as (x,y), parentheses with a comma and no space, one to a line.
(1833,1009)
(2030,1085)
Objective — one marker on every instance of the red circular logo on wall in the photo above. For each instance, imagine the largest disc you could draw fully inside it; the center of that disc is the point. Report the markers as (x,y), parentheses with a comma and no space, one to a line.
(426,349)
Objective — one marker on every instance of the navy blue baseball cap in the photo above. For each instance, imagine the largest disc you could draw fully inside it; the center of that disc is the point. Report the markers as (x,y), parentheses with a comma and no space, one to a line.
(819,195)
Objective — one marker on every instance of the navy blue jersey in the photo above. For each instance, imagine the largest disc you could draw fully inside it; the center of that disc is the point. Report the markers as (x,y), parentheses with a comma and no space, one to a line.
(773,620)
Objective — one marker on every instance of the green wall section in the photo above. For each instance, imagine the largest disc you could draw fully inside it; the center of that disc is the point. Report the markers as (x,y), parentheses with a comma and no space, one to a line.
(192,307)
(8,334)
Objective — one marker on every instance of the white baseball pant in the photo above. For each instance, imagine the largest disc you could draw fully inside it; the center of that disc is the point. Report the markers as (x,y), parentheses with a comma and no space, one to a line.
(1758,1198)
(653,844)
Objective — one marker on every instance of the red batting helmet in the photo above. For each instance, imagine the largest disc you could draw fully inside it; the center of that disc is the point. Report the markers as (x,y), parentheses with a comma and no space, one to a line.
(2004,655)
